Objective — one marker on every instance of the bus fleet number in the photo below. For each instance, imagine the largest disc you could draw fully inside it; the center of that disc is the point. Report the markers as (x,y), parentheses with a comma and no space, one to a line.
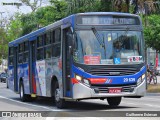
(129,80)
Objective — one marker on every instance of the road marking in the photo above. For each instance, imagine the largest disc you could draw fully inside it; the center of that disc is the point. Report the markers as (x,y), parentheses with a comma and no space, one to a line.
(129,103)
(152,105)
(143,104)
(31,104)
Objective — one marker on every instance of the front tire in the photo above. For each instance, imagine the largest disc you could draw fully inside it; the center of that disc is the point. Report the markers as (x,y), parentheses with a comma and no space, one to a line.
(114,101)
(23,96)
(60,103)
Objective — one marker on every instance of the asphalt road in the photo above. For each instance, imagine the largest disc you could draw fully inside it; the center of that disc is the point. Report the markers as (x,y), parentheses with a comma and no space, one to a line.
(9,101)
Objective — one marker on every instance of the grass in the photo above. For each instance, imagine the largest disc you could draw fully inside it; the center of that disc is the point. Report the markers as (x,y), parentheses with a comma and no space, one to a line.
(153,88)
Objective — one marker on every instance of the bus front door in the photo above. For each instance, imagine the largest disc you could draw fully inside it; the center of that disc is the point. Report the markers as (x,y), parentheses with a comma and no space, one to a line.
(32,65)
(66,63)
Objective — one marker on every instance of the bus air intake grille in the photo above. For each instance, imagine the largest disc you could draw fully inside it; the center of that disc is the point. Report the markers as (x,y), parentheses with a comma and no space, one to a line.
(105,89)
(112,71)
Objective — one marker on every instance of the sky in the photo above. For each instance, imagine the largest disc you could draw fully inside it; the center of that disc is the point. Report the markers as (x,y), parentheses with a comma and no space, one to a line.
(10,10)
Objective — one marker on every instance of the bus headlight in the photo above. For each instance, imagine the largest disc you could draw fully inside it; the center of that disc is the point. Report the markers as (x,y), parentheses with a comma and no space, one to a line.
(82,80)
(78,77)
(87,82)
(140,80)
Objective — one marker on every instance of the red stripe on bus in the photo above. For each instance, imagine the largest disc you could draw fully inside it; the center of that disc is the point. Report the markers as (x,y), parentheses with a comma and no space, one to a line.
(74,80)
(97,80)
(34,84)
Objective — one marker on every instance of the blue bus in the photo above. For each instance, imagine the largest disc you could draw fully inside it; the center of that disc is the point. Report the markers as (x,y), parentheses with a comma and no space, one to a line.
(94,55)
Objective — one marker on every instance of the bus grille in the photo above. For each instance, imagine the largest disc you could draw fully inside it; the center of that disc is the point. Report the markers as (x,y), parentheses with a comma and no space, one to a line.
(103,89)
(112,71)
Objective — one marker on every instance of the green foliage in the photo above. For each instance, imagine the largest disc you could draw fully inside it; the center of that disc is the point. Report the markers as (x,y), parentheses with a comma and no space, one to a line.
(3,44)
(152,32)
(14,29)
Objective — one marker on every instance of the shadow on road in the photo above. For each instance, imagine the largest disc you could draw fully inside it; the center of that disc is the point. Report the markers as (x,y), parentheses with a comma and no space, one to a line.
(76,105)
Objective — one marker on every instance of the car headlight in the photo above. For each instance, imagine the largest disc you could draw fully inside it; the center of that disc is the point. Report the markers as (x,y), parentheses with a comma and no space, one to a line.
(141,79)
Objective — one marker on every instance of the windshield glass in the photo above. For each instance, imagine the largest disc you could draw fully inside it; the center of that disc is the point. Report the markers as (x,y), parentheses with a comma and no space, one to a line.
(108,47)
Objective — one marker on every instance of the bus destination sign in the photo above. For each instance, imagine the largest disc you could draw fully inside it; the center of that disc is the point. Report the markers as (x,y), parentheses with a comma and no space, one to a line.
(107,20)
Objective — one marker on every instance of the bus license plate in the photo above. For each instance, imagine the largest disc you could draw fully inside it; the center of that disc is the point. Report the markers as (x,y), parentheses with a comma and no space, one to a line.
(115,90)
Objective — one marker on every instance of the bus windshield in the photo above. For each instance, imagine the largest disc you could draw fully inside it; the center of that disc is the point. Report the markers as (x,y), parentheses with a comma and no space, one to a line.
(108,47)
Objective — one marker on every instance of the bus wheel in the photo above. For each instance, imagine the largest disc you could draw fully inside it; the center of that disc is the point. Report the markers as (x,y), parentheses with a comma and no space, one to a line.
(114,101)
(23,96)
(60,103)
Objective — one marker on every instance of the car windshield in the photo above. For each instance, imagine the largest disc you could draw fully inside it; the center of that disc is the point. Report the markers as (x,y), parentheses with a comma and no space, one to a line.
(108,47)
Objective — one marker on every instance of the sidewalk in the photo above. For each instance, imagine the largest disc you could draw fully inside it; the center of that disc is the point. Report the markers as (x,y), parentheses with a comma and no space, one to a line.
(158,78)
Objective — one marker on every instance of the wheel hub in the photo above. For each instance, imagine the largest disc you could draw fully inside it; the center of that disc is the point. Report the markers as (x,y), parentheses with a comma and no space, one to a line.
(57,95)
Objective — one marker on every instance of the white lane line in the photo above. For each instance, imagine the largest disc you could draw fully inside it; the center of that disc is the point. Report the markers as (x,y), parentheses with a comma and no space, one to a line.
(152,99)
(155,106)
(143,99)
(47,108)
(131,103)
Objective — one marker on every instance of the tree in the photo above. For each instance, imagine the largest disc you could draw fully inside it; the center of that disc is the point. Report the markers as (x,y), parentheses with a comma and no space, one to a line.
(152,32)
(14,29)
(34,4)
(3,44)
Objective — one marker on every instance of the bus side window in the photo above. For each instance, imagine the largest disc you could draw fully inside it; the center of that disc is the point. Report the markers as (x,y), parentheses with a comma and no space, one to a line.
(25,55)
(56,49)
(11,55)
(40,49)
(58,35)
(20,53)
(11,60)
(48,51)
(52,36)
(40,54)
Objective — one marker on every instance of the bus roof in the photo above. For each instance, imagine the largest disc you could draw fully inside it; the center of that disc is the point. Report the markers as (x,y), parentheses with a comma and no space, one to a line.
(31,36)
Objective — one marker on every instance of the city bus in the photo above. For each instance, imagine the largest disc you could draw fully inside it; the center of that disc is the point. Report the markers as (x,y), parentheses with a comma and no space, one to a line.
(94,55)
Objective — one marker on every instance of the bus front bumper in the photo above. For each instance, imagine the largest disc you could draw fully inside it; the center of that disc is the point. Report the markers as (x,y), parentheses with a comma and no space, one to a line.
(80,91)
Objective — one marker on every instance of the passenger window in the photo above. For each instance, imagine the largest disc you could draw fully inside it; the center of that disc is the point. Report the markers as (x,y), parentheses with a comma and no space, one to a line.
(58,35)
(20,58)
(21,48)
(11,60)
(11,51)
(26,57)
(40,41)
(53,36)
(40,54)
(56,50)
(26,46)
(48,52)
(47,38)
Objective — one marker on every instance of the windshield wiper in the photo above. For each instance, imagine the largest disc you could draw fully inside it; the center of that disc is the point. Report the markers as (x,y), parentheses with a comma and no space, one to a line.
(101,42)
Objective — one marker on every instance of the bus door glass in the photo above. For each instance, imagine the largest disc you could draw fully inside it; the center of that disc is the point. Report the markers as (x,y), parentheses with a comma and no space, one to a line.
(67,38)
(32,66)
